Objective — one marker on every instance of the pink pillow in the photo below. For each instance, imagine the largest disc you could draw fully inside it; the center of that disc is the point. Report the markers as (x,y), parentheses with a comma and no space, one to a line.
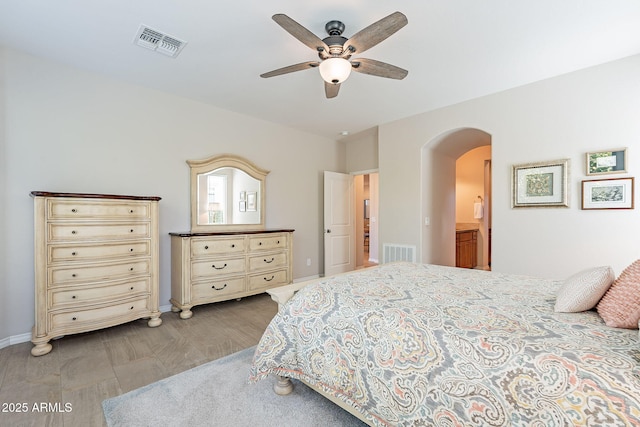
(620,306)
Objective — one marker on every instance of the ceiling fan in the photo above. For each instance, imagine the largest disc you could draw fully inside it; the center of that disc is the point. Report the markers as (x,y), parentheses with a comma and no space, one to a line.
(335,51)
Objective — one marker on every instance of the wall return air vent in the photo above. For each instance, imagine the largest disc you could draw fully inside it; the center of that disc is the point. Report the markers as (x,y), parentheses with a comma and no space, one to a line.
(158,41)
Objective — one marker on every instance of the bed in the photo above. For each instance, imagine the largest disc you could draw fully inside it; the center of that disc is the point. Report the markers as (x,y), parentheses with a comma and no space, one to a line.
(407,344)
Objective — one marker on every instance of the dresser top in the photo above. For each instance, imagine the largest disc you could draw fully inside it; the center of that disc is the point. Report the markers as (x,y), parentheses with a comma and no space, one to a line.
(92,196)
(228,233)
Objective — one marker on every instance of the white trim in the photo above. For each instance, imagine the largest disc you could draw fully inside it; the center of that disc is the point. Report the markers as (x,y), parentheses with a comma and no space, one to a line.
(364,172)
(165,308)
(304,279)
(15,339)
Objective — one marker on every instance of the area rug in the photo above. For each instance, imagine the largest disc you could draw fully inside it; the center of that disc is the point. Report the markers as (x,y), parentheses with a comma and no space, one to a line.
(217,394)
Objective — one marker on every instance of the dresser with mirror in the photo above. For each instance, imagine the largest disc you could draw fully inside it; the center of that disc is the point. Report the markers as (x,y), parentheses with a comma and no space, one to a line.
(228,253)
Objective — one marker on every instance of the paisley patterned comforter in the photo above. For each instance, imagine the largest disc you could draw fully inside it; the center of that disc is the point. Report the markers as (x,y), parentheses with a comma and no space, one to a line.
(421,345)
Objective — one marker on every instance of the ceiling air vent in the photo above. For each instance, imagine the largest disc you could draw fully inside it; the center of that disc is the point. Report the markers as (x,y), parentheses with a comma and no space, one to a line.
(160,42)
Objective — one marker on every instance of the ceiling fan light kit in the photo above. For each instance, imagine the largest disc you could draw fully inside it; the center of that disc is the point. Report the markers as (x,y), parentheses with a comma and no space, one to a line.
(335,70)
(335,50)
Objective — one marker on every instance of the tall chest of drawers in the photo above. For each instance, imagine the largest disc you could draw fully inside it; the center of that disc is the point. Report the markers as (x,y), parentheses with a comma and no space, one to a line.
(212,267)
(96,263)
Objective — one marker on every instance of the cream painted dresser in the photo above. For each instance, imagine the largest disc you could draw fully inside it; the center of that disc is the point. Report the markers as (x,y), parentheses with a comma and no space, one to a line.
(96,263)
(216,266)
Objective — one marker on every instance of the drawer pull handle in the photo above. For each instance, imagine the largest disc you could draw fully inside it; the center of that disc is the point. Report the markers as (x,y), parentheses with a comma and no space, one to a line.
(278,242)
(131,288)
(131,269)
(131,231)
(206,247)
(268,280)
(131,250)
(218,289)
(73,297)
(130,210)
(131,308)
(259,243)
(233,245)
(74,253)
(269,262)
(74,318)
(73,275)
(73,231)
(74,210)
(218,268)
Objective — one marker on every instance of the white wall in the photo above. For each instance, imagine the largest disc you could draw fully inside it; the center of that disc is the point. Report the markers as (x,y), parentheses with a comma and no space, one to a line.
(562,117)
(4,228)
(73,131)
(362,151)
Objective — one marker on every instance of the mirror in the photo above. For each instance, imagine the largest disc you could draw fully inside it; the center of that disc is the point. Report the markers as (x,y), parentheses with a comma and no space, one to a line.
(227,193)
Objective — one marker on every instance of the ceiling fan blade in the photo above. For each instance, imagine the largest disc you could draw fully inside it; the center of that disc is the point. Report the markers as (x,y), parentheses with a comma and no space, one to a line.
(378,68)
(376,32)
(300,32)
(331,90)
(291,68)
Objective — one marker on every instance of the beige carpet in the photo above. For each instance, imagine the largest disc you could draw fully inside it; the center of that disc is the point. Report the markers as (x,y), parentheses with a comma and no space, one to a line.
(217,394)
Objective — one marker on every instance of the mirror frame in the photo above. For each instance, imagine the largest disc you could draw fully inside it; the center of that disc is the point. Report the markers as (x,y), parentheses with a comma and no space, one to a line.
(221,161)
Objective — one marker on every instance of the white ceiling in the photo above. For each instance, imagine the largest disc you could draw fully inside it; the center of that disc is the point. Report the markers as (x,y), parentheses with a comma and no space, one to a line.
(455,50)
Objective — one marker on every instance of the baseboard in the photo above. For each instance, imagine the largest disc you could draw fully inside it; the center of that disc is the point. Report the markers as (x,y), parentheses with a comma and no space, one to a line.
(15,339)
(304,279)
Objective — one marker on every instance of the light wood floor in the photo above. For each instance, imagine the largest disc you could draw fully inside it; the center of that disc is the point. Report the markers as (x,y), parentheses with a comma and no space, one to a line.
(84,369)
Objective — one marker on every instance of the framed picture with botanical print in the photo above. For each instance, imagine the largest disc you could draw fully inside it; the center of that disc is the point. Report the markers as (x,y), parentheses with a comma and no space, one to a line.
(252,201)
(615,193)
(607,161)
(542,184)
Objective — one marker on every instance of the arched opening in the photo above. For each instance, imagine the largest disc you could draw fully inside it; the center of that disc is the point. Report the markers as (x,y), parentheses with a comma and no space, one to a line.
(438,192)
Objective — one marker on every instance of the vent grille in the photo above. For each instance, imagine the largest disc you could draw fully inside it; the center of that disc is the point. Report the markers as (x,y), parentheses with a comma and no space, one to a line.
(158,41)
(392,252)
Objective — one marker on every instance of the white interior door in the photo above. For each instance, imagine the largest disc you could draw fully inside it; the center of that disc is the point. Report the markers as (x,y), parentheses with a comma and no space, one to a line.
(339,227)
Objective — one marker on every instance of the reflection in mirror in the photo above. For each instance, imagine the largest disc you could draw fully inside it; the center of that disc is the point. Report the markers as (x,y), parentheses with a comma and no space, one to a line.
(228,196)
(227,193)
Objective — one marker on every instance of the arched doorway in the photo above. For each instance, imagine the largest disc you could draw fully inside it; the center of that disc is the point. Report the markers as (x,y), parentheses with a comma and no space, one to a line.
(438,201)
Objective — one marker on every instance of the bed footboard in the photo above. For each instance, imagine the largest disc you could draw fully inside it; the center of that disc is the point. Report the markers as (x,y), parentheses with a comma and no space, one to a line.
(283,385)
(282,294)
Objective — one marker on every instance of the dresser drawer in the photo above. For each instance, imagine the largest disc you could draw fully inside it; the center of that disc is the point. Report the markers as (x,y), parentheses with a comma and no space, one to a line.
(268,261)
(84,232)
(108,314)
(217,267)
(97,209)
(260,242)
(92,294)
(97,272)
(96,252)
(202,247)
(268,280)
(217,288)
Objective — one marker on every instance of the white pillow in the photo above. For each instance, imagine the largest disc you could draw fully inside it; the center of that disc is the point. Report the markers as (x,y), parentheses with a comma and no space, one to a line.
(583,290)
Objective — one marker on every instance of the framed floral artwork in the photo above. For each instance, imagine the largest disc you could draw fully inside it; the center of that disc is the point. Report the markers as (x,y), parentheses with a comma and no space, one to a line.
(541,184)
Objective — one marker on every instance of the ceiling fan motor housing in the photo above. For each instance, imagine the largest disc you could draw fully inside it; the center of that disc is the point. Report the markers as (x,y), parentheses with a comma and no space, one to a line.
(335,41)
(334,28)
